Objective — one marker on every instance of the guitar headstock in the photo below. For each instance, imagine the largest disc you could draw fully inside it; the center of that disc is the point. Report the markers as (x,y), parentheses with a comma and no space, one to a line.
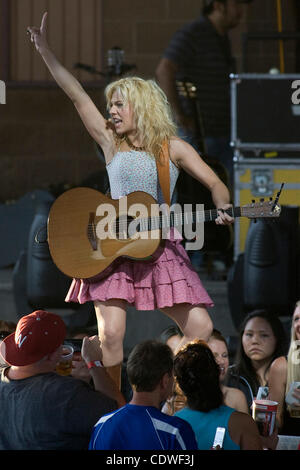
(262,209)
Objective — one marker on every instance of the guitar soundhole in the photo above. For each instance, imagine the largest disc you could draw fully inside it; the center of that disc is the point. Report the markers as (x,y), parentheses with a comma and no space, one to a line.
(122,228)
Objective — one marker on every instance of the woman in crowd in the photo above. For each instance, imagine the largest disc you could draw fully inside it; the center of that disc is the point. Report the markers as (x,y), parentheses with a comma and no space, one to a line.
(261,341)
(197,374)
(283,372)
(233,397)
(132,141)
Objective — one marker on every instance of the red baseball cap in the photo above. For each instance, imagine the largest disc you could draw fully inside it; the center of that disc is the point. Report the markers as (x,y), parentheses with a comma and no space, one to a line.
(37,334)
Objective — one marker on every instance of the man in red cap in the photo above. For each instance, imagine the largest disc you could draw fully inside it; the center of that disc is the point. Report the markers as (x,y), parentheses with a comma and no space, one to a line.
(41,409)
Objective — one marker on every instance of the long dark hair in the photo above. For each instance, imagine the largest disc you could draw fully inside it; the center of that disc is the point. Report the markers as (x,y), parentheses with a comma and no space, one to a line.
(197,374)
(243,364)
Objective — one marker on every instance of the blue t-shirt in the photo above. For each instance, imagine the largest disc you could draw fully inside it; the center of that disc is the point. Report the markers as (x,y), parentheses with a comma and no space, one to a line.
(135,427)
(205,425)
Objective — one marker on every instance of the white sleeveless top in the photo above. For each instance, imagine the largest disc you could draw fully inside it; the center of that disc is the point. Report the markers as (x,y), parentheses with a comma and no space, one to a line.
(136,171)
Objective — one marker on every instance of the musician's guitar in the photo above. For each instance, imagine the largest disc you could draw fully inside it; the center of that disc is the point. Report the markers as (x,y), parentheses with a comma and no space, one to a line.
(87,230)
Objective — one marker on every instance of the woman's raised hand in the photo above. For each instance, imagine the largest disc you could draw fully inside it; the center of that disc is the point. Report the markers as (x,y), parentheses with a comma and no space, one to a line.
(38,35)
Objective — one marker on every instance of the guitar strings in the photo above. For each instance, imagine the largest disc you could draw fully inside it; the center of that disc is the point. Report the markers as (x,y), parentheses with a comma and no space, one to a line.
(173,219)
(212,214)
(176,219)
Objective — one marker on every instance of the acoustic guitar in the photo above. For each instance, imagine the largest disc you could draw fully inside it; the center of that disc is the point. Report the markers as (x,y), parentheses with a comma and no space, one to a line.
(87,230)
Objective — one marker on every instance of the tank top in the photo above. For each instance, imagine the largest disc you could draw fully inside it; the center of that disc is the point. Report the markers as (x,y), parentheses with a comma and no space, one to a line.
(136,171)
(205,424)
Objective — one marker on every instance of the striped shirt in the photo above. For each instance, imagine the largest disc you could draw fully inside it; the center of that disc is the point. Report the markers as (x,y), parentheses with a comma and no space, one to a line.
(135,427)
(204,57)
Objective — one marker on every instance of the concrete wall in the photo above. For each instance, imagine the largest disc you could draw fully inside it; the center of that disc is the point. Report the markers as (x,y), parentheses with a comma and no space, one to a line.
(42,141)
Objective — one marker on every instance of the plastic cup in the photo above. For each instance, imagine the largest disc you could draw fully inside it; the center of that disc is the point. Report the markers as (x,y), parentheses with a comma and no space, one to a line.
(264,414)
(64,366)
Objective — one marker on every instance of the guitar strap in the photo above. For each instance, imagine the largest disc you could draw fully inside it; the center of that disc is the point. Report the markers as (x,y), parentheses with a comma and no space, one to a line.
(163,171)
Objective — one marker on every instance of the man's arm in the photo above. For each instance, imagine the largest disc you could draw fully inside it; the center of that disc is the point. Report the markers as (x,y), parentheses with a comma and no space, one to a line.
(165,74)
(244,431)
(91,352)
(166,77)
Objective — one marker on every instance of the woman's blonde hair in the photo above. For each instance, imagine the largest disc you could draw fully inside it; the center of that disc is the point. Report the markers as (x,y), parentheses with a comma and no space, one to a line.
(151,111)
(293,359)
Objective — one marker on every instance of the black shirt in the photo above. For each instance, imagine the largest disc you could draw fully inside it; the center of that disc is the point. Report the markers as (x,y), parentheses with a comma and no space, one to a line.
(49,412)
(204,57)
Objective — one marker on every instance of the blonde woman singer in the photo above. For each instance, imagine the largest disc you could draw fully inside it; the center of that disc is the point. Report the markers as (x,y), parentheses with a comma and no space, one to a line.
(140,120)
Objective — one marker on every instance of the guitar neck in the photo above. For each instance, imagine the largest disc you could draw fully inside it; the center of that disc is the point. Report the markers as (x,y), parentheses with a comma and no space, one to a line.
(212,214)
(174,219)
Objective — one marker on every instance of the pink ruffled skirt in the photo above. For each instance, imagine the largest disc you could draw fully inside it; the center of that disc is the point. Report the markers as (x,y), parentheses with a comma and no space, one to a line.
(147,285)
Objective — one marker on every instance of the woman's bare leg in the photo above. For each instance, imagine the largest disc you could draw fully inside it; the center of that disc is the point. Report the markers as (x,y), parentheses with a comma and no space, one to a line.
(194,321)
(111,321)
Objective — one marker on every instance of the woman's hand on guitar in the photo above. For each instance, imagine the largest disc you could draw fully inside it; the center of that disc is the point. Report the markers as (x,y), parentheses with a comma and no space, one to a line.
(223,218)
(39,35)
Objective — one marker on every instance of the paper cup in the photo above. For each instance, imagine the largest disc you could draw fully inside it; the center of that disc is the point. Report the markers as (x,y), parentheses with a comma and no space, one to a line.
(264,414)
(64,366)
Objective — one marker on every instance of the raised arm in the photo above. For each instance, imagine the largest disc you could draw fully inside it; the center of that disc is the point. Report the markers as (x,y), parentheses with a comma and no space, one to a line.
(93,120)
(91,351)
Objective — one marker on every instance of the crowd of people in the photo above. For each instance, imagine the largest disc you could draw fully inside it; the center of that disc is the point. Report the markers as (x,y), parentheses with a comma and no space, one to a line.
(177,401)
(181,387)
